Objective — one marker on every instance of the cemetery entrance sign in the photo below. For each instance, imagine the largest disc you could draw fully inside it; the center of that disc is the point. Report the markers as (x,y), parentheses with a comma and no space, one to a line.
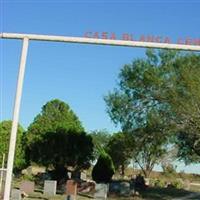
(79,40)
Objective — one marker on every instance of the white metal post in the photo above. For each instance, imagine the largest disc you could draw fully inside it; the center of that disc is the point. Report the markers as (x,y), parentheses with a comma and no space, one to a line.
(2,171)
(13,135)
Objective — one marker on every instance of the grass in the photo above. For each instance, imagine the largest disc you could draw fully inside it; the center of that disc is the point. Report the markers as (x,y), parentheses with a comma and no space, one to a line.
(164,193)
(152,193)
(149,194)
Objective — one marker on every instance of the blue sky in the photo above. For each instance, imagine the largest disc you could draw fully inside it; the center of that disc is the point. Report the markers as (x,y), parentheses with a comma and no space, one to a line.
(81,74)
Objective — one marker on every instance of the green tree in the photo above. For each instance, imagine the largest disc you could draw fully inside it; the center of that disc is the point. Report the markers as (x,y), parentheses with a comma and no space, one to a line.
(150,143)
(183,96)
(120,150)
(136,106)
(47,138)
(55,114)
(5,129)
(139,91)
(62,149)
(104,169)
(167,82)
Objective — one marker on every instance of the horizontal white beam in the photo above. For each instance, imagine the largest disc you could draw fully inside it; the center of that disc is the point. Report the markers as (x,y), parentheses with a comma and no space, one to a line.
(84,40)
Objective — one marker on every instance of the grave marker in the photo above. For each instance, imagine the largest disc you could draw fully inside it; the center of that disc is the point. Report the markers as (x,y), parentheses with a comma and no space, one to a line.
(71,189)
(101,191)
(15,194)
(69,175)
(27,187)
(83,176)
(50,188)
(124,189)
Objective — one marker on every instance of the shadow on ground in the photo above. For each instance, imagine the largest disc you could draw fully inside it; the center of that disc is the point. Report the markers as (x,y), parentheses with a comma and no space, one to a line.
(164,193)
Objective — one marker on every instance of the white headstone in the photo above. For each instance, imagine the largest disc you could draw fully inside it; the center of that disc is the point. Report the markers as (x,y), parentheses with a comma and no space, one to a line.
(101,191)
(83,176)
(15,194)
(69,175)
(50,188)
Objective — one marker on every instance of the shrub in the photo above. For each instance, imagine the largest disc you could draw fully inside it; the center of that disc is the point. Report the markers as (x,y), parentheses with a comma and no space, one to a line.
(177,184)
(104,169)
(160,183)
(28,177)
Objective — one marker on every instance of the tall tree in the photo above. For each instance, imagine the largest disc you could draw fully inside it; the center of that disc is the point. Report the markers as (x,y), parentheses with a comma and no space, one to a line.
(183,96)
(120,150)
(5,129)
(150,143)
(62,149)
(139,90)
(165,81)
(55,115)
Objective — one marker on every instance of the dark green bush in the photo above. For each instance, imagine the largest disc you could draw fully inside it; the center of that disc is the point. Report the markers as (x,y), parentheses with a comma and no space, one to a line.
(104,169)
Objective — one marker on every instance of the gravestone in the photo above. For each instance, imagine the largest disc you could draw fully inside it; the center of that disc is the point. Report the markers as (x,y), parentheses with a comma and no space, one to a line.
(50,188)
(15,194)
(124,188)
(101,191)
(27,187)
(83,176)
(69,175)
(114,187)
(71,190)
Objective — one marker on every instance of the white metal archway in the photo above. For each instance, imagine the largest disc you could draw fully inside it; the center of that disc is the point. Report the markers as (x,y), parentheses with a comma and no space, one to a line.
(80,40)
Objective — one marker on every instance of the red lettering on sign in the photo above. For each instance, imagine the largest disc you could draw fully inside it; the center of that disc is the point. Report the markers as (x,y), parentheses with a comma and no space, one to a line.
(113,36)
(179,41)
(188,41)
(167,40)
(196,41)
(150,39)
(96,35)
(104,35)
(158,39)
(142,38)
(88,34)
(125,36)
